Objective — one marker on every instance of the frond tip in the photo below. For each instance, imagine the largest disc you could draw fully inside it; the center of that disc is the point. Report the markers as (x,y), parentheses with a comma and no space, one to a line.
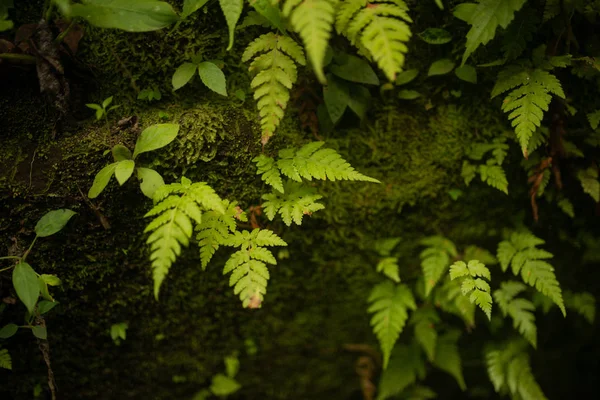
(471,283)
(177,207)
(389,305)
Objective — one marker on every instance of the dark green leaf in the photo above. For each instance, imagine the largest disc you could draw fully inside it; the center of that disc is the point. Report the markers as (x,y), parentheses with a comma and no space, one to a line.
(269,11)
(26,284)
(408,94)
(213,77)
(435,36)
(406,76)
(44,306)
(467,73)
(101,180)
(8,330)
(128,15)
(356,70)
(155,137)
(359,100)
(191,6)
(441,67)
(337,97)
(39,332)
(183,74)
(53,222)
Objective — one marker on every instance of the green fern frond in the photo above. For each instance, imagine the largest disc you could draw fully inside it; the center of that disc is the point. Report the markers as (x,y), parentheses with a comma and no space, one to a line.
(405,367)
(520,252)
(297,201)
(435,259)
(589,182)
(509,369)
(379,28)
(424,320)
(520,310)
(313,21)
(388,266)
(176,208)
(583,303)
(470,283)
(449,298)
(389,305)
(268,171)
(447,357)
(215,228)
(494,176)
(519,33)
(5,359)
(530,95)
(274,68)
(485,18)
(248,266)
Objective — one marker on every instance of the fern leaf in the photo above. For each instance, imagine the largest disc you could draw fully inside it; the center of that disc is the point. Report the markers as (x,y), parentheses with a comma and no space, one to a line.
(5,359)
(485,18)
(520,310)
(424,320)
(313,21)
(494,176)
(274,66)
(267,169)
(248,266)
(552,8)
(435,259)
(389,305)
(521,254)
(388,266)
(449,298)
(583,303)
(447,357)
(177,207)
(519,33)
(297,201)
(530,95)
(378,27)
(405,367)
(311,161)
(589,182)
(594,119)
(215,228)
(478,288)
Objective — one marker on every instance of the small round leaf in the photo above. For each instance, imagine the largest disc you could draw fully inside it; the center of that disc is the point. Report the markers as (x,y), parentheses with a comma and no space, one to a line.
(183,75)
(435,36)
(441,67)
(213,77)
(154,137)
(150,181)
(467,73)
(39,332)
(8,330)
(53,222)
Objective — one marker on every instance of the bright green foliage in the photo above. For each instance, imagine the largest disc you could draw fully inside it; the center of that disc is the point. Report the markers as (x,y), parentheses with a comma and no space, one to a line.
(471,283)
(424,320)
(449,298)
(248,266)
(509,368)
(405,367)
(215,229)
(435,259)
(177,207)
(520,310)
(378,28)
(388,266)
(521,254)
(389,305)
(530,93)
(484,19)
(232,9)
(313,21)
(494,176)
(447,357)
(308,162)
(274,59)
(589,182)
(118,332)
(296,201)
(5,359)
(583,303)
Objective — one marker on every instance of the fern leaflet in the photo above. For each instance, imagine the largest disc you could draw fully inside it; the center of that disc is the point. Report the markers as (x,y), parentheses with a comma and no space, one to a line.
(378,28)
(589,182)
(583,303)
(215,228)
(274,65)
(470,283)
(484,19)
(248,266)
(388,266)
(447,357)
(424,320)
(389,305)
(297,201)
(530,95)
(449,298)
(520,253)
(313,20)
(520,310)
(5,359)
(435,259)
(405,367)
(176,207)
(308,162)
